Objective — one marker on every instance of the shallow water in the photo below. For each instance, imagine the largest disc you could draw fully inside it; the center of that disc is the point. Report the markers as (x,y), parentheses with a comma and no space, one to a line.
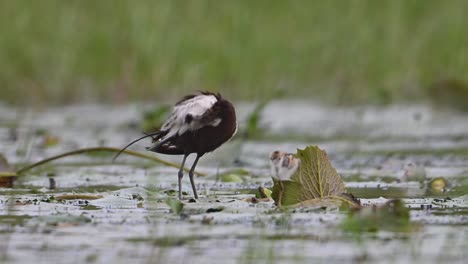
(120,214)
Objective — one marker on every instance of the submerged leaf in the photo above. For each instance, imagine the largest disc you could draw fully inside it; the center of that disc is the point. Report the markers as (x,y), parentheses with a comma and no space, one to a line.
(233,175)
(230,178)
(175,205)
(392,216)
(315,178)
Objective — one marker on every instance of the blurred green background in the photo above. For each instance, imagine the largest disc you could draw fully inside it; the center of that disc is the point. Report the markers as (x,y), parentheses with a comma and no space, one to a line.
(336,51)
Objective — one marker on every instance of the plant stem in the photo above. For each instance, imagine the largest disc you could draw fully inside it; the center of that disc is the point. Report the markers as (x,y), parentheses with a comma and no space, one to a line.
(102,149)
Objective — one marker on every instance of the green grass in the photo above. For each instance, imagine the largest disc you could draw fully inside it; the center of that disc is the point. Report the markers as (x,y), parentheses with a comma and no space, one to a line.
(57,52)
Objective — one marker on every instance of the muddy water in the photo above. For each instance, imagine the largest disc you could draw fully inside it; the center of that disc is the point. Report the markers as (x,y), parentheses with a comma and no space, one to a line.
(120,215)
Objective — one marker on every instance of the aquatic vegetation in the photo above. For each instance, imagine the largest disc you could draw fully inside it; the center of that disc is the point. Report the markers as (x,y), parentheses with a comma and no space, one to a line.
(263,193)
(313,181)
(368,52)
(175,205)
(438,185)
(232,175)
(392,216)
(100,149)
(230,178)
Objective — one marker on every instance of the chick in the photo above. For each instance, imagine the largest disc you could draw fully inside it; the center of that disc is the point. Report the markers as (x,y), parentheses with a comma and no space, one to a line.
(283,165)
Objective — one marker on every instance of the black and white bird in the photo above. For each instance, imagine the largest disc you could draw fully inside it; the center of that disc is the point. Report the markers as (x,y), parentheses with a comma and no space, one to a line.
(198,124)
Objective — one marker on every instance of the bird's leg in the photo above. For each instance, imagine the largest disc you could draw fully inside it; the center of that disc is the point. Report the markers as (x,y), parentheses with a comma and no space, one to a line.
(191,177)
(181,175)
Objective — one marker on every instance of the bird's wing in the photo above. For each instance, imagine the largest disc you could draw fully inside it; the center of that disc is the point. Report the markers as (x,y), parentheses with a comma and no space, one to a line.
(191,114)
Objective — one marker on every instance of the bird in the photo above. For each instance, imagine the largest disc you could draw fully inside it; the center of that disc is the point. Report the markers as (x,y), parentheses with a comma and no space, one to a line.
(283,166)
(198,123)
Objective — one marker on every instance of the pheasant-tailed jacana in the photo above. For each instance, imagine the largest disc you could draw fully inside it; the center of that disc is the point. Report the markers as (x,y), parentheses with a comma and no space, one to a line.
(283,166)
(198,124)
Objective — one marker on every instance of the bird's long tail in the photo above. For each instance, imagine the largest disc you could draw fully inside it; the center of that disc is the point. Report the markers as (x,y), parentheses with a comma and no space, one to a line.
(135,141)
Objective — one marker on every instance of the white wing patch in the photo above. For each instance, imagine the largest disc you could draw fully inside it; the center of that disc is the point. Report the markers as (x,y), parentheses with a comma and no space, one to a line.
(195,108)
